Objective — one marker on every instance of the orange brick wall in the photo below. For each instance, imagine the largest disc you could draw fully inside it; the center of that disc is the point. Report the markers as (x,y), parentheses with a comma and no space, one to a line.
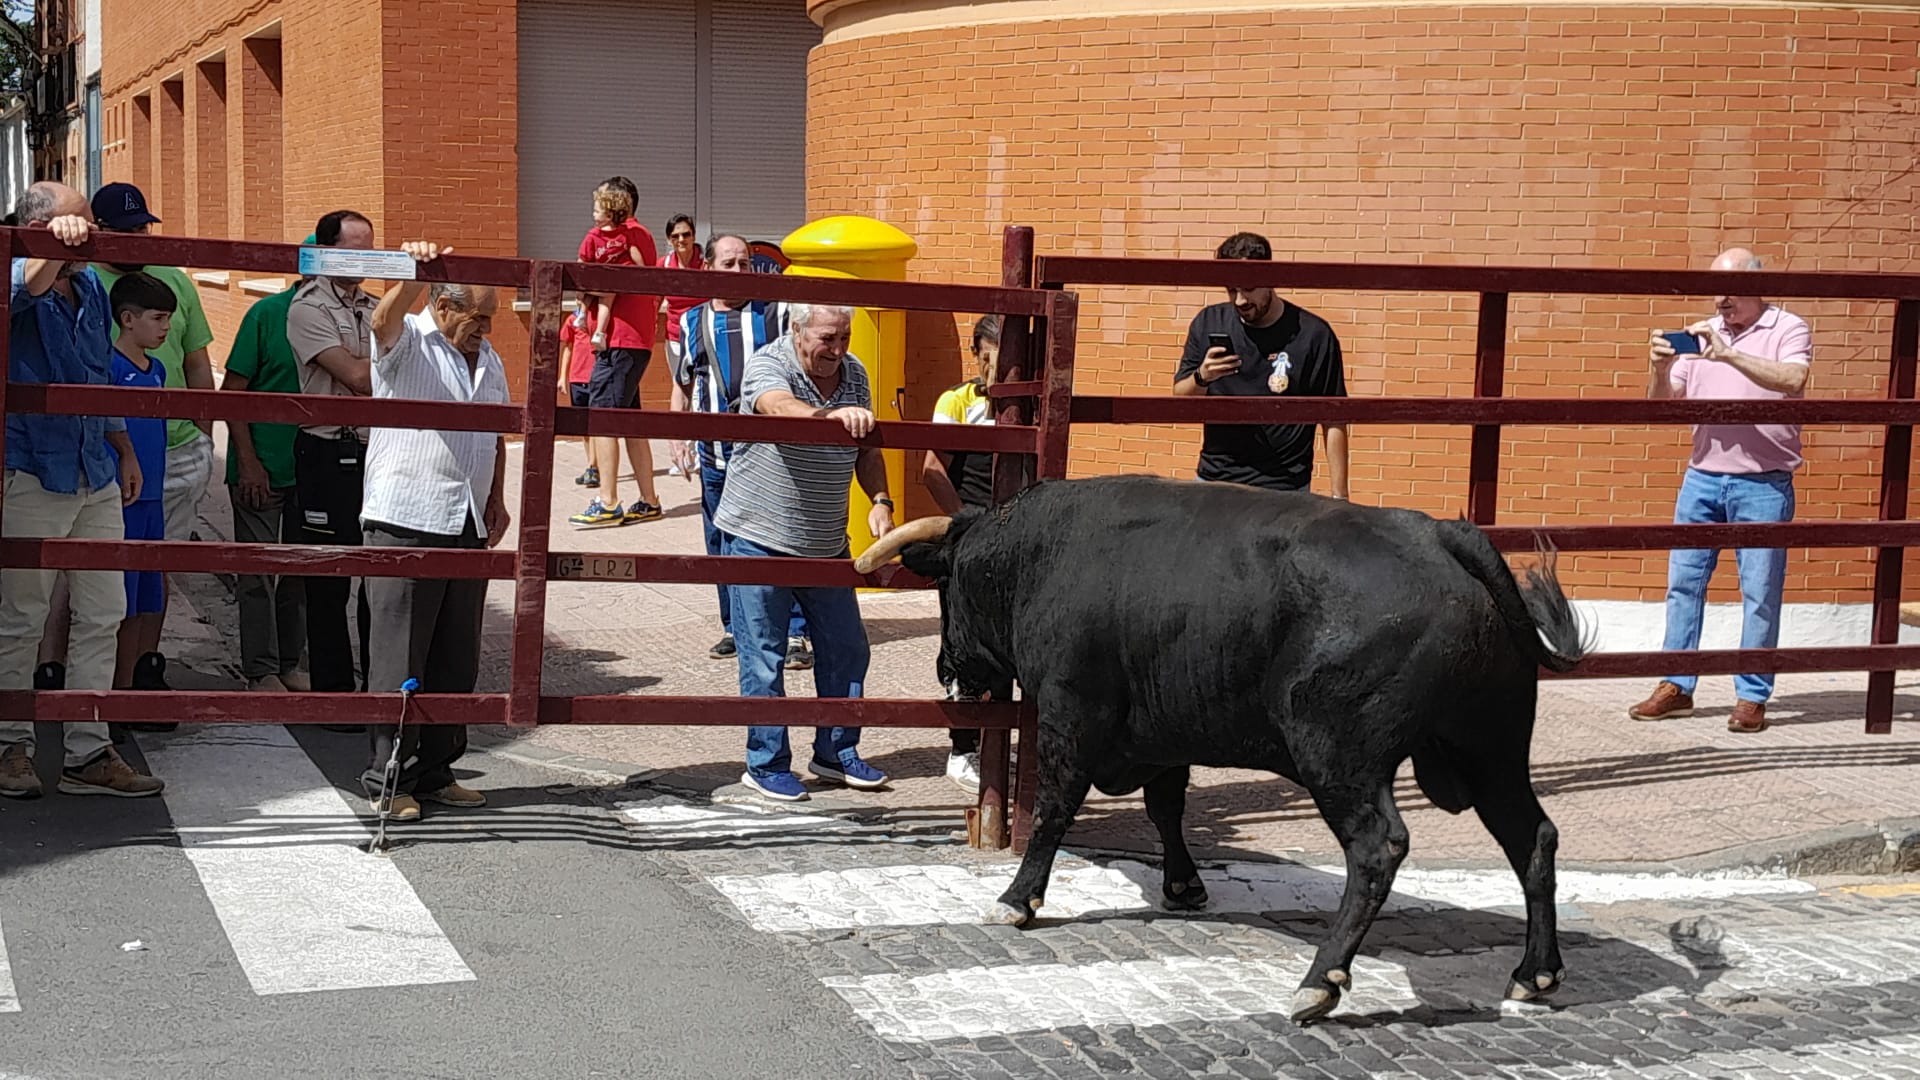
(401,110)
(1552,135)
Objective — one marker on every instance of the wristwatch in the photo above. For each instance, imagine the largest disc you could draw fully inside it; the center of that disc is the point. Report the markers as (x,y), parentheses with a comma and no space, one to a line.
(1197,380)
(883,501)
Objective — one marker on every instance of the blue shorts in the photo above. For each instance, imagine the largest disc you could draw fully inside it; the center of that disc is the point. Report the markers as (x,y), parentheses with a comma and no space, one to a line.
(146,589)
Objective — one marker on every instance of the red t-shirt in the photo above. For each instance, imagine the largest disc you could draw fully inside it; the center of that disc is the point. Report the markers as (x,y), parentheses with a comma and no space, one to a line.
(678,305)
(631,324)
(577,338)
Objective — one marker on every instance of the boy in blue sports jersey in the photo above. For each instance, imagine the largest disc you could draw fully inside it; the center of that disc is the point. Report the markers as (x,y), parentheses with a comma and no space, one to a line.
(143,308)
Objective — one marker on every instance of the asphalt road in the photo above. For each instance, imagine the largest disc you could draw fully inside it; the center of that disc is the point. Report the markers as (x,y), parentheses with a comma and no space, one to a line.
(589,954)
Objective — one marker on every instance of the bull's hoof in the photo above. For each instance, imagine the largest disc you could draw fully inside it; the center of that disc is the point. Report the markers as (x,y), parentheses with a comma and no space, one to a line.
(1184,895)
(1313,1002)
(1542,984)
(1009,915)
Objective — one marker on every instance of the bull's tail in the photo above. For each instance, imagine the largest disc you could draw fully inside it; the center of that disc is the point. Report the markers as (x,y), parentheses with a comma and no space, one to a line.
(1542,619)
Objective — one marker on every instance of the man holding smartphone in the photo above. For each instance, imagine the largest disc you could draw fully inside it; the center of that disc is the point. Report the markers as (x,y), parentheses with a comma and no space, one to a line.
(1259,345)
(1751,350)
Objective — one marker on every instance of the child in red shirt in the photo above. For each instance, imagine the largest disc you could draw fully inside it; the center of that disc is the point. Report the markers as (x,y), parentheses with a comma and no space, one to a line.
(623,344)
(576,344)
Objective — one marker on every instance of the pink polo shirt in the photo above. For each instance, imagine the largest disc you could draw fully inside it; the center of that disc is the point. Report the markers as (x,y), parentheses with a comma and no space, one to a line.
(1746,448)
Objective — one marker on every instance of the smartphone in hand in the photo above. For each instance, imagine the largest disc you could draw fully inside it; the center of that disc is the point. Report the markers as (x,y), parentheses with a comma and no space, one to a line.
(1220,341)
(1684,343)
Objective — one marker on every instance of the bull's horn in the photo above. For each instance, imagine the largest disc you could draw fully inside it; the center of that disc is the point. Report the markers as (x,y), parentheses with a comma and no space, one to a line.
(888,546)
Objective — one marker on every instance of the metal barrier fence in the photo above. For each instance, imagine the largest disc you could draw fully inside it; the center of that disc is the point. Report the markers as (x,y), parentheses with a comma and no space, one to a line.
(531,565)
(1487,411)
(1036,408)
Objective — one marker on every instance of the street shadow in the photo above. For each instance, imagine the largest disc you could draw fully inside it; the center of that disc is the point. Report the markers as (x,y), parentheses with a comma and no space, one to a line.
(1434,963)
(1822,707)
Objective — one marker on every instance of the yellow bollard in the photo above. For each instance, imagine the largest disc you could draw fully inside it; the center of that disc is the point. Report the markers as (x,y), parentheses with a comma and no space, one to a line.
(849,246)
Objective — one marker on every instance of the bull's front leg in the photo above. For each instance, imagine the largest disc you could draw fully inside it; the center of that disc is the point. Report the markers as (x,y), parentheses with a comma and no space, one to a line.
(1062,787)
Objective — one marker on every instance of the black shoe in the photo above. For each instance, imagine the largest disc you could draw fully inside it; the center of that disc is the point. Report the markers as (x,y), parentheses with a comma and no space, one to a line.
(150,673)
(799,657)
(724,649)
(51,675)
(345,729)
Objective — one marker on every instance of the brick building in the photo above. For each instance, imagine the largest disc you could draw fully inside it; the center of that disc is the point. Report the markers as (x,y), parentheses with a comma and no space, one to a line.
(479,123)
(1553,133)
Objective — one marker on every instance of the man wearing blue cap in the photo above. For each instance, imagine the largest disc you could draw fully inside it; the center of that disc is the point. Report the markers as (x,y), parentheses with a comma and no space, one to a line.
(123,208)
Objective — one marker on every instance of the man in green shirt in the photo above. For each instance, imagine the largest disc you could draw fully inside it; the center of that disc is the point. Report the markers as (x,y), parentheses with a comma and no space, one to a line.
(273,620)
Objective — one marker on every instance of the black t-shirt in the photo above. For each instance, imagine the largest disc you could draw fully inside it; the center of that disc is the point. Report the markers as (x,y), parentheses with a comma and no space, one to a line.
(1279,456)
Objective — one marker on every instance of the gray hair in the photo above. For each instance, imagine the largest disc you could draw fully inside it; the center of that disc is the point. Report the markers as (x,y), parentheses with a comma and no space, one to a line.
(799,315)
(455,294)
(37,204)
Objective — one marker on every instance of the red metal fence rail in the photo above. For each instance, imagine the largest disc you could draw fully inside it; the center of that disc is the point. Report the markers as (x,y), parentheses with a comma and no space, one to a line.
(1487,412)
(531,565)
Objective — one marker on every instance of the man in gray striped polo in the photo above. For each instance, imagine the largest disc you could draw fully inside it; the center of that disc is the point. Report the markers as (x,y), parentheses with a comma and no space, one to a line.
(788,500)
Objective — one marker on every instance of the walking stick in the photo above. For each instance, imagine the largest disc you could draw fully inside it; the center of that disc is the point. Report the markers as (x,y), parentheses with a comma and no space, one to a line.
(390,779)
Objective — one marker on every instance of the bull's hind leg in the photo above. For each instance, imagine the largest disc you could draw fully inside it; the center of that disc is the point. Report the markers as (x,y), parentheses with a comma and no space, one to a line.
(1504,799)
(1370,831)
(1167,806)
(1063,785)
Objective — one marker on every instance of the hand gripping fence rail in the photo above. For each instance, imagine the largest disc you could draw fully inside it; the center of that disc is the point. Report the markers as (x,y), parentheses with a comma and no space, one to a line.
(1036,411)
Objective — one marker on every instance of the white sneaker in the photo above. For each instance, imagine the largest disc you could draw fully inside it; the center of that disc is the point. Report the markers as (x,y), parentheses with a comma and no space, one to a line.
(268,683)
(964,770)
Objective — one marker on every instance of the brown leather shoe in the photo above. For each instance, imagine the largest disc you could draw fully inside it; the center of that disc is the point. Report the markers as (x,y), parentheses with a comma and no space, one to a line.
(1749,717)
(1668,702)
(455,795)
(402,808)
(17,778)
(108,775)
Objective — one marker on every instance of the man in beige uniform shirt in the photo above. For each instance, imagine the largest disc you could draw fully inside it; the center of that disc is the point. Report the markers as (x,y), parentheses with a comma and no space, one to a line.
(330,328)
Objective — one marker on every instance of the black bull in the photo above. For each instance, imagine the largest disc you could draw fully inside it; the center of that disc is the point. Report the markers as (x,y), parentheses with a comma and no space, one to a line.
(1158,625)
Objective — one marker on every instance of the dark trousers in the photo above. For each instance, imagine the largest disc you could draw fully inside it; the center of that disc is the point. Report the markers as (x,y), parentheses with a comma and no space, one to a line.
(427,629)
(329,475)
(965,740)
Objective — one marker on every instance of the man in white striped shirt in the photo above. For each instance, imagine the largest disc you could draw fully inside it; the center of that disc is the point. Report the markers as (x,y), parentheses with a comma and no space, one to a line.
(431,489)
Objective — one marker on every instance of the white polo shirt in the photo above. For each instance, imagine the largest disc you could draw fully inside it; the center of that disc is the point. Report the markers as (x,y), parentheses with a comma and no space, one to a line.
(431,480)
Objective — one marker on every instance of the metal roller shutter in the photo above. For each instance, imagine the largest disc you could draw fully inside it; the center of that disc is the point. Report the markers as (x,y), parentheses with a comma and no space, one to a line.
(701,102)
(758,132)
(604,91)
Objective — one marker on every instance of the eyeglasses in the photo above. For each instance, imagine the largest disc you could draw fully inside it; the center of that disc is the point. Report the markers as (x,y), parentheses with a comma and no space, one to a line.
(680,236)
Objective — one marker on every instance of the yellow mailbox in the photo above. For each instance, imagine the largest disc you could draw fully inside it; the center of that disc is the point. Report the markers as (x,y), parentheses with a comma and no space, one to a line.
(850,246)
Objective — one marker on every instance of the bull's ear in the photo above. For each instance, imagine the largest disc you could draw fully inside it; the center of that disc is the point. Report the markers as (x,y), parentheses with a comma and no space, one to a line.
(932,559)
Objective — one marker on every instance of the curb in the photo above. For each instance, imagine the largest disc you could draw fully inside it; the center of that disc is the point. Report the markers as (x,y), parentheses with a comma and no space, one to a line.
(1887,847)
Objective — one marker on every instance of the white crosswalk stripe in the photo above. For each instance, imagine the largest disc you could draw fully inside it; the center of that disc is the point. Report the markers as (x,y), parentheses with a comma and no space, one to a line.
(9,997)
(278,851)
(977,1001)
(974,1002)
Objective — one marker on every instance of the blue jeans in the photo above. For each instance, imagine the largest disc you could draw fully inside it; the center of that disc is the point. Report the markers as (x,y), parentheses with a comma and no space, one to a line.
(712,483)
(840,652)
(1728,499)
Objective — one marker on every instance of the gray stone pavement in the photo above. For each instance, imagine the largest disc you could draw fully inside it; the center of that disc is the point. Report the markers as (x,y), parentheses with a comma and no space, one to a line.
(1620,791)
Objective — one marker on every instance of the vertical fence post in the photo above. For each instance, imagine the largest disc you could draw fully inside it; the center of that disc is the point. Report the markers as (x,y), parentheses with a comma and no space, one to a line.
(1056,429)
(1489,381)
(536,498)
(987,826)
(1895,470)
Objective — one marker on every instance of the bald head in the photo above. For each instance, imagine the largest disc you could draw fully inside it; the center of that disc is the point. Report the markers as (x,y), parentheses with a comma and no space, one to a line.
(47,199)
(1739,312)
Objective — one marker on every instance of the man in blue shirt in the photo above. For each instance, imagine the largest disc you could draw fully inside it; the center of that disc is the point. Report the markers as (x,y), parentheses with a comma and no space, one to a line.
(62,481)
(716,339)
